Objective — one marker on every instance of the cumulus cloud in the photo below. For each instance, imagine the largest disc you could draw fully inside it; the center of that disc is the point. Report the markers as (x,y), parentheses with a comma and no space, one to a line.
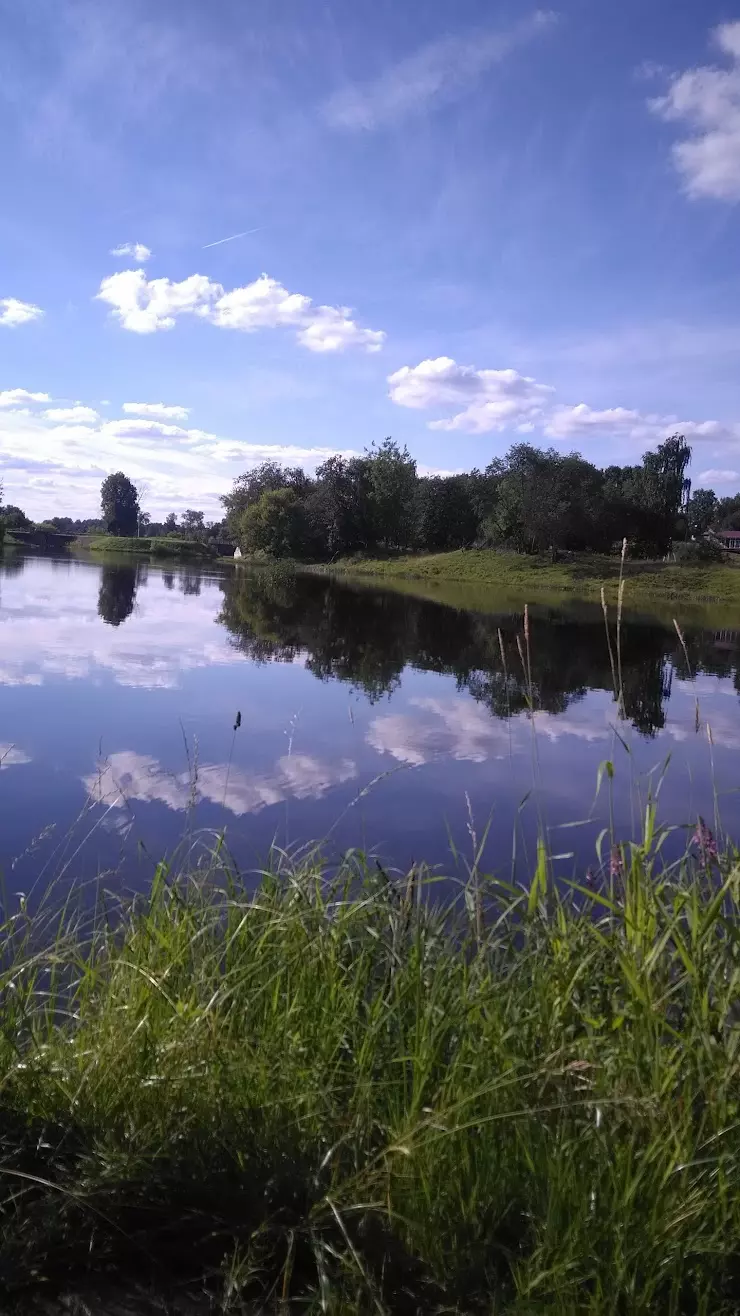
(17,397)
(157,410)
(54,466)
(139,252)
(442,70)
(490,399)
(715,476)
(14,312)
(145,306)
(485,400)
(583,421)
(77,415)
(707,100)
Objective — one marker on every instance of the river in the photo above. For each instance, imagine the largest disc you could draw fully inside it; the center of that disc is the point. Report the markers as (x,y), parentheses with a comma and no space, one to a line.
(404,726)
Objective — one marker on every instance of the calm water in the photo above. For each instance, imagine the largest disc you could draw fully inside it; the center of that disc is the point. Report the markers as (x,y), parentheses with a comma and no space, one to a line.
(368,717)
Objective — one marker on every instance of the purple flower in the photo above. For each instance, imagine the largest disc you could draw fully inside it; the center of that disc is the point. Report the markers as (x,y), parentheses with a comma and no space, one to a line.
(705,842)
(616,862)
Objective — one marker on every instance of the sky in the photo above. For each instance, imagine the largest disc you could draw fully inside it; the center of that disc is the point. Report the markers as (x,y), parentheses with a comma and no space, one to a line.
(233,233)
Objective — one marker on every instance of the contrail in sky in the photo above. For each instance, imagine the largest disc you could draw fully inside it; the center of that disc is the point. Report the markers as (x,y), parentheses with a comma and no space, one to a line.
(233,238)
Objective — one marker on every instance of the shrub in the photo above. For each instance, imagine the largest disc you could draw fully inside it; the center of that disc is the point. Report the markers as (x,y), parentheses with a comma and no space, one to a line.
(698,551)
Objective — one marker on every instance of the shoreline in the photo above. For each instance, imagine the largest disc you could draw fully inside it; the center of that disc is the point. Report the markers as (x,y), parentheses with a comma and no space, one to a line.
(580,577)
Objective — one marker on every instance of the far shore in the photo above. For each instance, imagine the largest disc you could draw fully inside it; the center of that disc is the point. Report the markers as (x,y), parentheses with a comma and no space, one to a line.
(581,575)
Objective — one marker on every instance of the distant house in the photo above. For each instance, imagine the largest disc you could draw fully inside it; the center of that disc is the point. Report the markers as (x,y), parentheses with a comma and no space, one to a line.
(730,539)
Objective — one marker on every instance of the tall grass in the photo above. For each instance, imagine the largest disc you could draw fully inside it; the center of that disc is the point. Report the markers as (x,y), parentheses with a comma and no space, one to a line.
(339,1095)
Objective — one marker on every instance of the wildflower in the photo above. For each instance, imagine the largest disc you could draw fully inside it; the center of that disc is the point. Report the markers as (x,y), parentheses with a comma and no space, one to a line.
(705,842)
(616,862)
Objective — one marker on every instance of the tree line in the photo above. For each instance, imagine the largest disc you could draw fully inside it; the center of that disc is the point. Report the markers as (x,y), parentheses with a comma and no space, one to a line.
(532,500)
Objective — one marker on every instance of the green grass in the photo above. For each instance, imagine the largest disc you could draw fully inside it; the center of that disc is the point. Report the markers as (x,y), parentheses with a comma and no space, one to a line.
(160,546)
(582,575)
(336,1097)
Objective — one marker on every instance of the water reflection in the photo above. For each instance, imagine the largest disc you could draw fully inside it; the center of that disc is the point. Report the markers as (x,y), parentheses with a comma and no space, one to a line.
(117,594)
(367,716)
(368,638)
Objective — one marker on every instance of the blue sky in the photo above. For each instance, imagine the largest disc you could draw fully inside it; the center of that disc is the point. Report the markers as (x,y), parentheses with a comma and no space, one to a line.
(462,225)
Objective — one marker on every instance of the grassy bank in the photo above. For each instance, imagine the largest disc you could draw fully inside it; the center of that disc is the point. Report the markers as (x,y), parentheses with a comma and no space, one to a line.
(336,1099)
(160,546)
(581,575)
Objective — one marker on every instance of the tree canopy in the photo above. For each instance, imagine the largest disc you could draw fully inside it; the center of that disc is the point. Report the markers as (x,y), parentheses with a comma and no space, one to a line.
(533,500)
(119,504)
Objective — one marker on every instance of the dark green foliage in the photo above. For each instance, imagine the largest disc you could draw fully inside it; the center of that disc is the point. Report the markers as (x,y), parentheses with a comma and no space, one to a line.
(728,513)
(392,484)
(275,525)
(696,551)
(119,504)
(445,514)
(249,488)
(15,519)
(193,524)
(532,501)
(701,511)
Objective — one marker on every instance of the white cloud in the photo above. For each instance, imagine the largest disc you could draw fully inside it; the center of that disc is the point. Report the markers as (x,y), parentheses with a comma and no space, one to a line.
(714,476)
(583,421)
(139,252)
(77,415)
(707,100)
(145,306)
(52,467)
(15,397)
(439,71)
(491,399)
(13,312)
(157,410)
(10,757)
(505,400)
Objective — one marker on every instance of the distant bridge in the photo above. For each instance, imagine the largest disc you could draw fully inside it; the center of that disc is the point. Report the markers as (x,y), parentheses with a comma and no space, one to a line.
(42,538)
(50,539)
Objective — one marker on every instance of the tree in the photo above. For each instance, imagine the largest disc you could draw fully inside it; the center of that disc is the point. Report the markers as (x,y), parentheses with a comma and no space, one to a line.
(119,503)
(14,518)
(663,490)
(170,524)
(701,511)
(249,488)
(728,513)
(192,524)
(338,507)
(275,525)
(392,479)
(444,513)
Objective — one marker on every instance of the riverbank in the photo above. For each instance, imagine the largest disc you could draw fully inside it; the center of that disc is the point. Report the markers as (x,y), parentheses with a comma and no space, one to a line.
(338,1099)
(580,575)
(156,546)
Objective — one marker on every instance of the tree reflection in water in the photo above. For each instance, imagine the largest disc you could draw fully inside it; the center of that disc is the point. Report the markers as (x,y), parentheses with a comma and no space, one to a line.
(117,595)
(366,637)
